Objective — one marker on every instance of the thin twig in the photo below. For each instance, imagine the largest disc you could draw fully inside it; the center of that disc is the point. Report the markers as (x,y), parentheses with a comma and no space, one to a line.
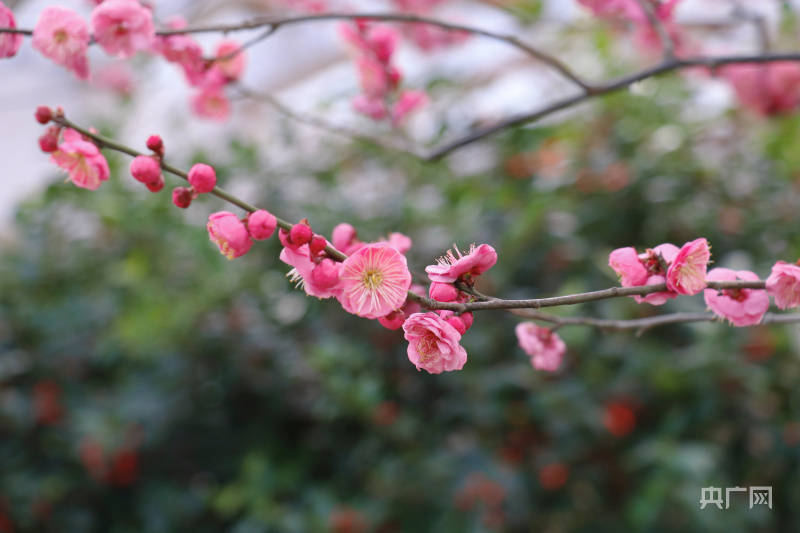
(667,44)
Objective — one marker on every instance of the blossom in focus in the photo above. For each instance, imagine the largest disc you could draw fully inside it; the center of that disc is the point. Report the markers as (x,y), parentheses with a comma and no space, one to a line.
(229,233)
(122,27)
(648,268)
(544,347)
(742,307)
(62,35)
(687,272)
(86,165)
(374,281)
(303,263)
(455,266)
(9,42)
(433,344)
(261,224)
(783,284)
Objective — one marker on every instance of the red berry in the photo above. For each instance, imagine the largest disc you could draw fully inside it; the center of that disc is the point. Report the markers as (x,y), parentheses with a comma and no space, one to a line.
(155,144)
(43,114)
(182,197)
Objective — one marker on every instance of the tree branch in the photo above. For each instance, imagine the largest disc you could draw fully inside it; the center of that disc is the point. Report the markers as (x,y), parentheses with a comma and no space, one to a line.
(667,44)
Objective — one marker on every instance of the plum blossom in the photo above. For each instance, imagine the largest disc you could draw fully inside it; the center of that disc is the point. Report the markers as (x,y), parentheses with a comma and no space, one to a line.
(9,42)
(767,89)
(742,307)
(231,59)
(345,238)
(211,102)
(545,347)
(648,268)
(183,50)
(303,263)
(229,233)
(407,103)
(462,266)
(687,272)
(395,319)
(433,344)
(202,177)
(122,27)
(62,35)
(86,165)
(783,284)
(261,224)
(374,281)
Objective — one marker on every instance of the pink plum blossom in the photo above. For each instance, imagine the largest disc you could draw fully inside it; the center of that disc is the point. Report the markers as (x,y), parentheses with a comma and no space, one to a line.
(687,272)
(649,268)
(202,177)
(229,233)
(62,35)
(433,344)
(457,266)
(742,307)
(231,59)
(545,348)
(303,264)
(146,169)
(395,319)
(398,241)
(261,224)
(9,42)
(767,89)
(183,50)
(626,263)
(122,27)
(374,108)
(86,165)
(374,281)
(345,238)
(211,102)
(783,284)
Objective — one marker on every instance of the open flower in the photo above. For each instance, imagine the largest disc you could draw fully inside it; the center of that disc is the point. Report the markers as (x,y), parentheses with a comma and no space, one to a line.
(649,268)
(433,344)
(458,266)
(230,234)
(62,35)
(230,59)
(742,307)
(374,281)
(86,165)
(9,42)
(123,27)
(687,273)
(544,347)
(784,284)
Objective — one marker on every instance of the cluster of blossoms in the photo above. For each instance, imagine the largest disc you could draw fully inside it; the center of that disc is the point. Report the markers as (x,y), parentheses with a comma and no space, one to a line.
(685,271)
(380,97)
(123,28)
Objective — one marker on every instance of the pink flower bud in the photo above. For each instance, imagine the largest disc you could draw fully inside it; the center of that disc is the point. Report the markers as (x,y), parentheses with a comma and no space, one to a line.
(182,197)
(326,274)
(261,224)
(43,114)
(458,324)
(146,169)
(467,319)
(300,234)
(156,185)
(317,245)
(155,144)
(203,178)
(48,142)
(443,292)
(393,320)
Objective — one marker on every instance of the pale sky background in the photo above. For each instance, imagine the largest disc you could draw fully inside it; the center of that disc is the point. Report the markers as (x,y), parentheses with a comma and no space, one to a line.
(302,65)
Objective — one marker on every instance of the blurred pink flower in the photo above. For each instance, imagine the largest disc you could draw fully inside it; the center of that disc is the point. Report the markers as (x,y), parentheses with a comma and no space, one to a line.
(417,6)
(374,281)
(229,233)
(86,165)
(345,238)
(544,347)
(433,344)
(428,37)
(408,102)
(687,273)
(122,27)
(742,307)
(235,59)
(210,102)
(62,35)
(768,89)
(784,284)
(371,107)
(183,50)
(457,266)
(116,76)
(9,42)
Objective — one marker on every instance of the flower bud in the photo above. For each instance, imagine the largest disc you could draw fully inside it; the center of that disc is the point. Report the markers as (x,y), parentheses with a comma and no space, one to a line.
(182,197)
(261,224)
(155,144)
(317,245)
(43,114)
(326,274)
(300,233)
(203,178)
(146,169)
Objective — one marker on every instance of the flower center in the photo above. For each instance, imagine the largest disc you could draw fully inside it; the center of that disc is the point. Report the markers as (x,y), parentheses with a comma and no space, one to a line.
(427,348)
(60,36)
(735,294)
(372,279)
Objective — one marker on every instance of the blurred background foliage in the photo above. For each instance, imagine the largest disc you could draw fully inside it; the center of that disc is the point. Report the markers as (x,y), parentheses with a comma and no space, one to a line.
(147,384)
